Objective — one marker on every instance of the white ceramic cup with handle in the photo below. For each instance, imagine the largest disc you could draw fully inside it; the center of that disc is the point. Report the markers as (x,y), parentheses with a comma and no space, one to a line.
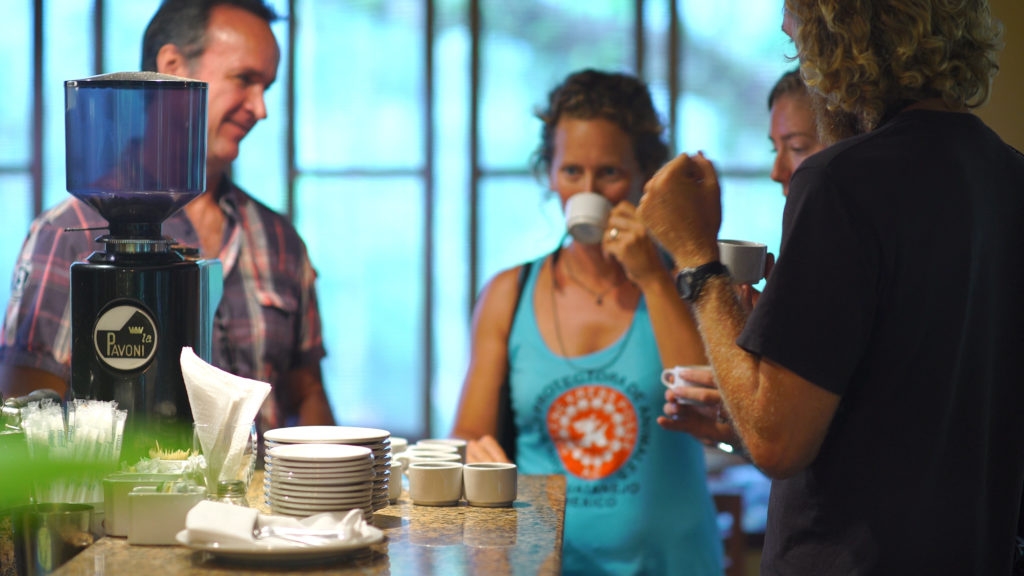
(490,484)
(586,216)
(435,483)
(745,260)
(673,377)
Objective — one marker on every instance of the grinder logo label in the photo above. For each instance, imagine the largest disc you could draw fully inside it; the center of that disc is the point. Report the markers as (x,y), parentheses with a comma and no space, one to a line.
(125,337)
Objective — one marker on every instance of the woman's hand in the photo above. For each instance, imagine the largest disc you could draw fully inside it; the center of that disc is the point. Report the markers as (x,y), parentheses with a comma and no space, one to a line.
(485,449)
(697,409)
(626,240)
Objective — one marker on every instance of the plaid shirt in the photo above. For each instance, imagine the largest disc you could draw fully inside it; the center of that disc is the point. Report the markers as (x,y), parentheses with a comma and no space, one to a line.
(267,323)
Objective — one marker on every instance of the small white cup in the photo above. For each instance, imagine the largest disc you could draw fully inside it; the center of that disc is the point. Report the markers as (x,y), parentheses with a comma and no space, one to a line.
(457,443)
(672,377)
(490,484)
(435,483)
(410,456)
(745,260)
(395,481)
(398,445)
(586,216)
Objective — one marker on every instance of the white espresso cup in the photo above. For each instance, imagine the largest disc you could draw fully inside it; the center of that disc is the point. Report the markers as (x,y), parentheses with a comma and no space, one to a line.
(395,481)
(586,216)
(447,443)
(490,484)
(435,483)
(672,377)
(744,260)
(410,456)
(398,444)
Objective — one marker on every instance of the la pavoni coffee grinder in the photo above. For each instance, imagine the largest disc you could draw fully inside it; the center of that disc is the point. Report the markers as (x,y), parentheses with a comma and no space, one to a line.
(136,152)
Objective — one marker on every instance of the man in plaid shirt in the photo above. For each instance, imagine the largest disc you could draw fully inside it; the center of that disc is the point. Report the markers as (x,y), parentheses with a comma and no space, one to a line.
(267,326)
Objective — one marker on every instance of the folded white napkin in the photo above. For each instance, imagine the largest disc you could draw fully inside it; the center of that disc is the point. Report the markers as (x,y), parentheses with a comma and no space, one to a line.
(226,524)
(223,408)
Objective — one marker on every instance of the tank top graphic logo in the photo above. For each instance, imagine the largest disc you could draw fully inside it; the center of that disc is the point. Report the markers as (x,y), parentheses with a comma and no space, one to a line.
(594,429)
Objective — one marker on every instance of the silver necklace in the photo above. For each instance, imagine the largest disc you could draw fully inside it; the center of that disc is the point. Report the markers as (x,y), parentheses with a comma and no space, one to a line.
(598,296)
(558,328)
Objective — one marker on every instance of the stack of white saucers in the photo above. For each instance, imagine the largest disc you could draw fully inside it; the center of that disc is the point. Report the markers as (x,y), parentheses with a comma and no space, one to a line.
(376,440)
(307,479)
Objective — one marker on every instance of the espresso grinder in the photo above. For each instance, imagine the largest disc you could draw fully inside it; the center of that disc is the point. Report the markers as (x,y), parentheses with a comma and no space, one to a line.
(136,152)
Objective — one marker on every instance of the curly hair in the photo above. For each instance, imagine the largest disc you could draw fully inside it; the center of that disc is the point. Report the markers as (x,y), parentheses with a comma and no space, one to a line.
(870,57)
(619,98)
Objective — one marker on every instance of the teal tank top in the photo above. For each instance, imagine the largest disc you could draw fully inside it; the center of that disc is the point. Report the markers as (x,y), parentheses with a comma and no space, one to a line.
(637,500)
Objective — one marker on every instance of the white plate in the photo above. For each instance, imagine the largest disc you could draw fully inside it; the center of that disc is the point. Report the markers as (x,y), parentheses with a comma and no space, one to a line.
(320,490)
(345,468)
(311,509)
(325,465)
(326,434)
(320,501)
(280,551)
(347,477)
(317,498)
(300,483)
(319,453)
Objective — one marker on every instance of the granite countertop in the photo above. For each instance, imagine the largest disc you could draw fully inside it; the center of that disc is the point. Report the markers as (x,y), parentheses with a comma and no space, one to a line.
(526,538)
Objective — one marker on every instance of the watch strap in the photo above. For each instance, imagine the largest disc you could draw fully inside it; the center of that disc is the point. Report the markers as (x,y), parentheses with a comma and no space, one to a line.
(690,281)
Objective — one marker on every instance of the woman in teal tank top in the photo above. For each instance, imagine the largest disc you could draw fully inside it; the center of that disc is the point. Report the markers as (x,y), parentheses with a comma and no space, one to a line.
(582,343)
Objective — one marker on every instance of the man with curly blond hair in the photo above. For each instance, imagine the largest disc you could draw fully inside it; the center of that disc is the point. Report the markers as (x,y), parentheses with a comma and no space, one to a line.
(877,379)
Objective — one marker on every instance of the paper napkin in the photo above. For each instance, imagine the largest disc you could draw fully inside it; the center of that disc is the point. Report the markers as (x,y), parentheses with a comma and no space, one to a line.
(223,408)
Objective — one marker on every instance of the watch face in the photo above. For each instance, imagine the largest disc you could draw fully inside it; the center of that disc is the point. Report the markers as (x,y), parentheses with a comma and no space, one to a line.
(684,284)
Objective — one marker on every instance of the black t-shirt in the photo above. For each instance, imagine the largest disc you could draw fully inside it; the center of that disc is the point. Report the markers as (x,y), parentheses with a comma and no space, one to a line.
(900,287)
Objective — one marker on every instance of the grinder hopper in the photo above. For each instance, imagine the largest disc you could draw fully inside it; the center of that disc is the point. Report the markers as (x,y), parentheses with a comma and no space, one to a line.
(136,152)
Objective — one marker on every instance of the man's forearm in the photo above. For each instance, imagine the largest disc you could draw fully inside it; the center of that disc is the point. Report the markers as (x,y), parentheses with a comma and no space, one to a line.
(720,319)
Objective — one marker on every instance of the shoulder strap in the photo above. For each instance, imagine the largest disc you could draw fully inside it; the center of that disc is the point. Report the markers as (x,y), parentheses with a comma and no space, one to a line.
(506,425)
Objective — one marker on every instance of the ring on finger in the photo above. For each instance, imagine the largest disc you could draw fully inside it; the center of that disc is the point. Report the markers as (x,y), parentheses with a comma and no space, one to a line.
(613,233)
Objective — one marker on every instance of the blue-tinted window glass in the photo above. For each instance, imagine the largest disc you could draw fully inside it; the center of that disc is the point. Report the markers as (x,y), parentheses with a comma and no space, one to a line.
(16,190)
(450,279)
(125,22)
(752,210)
(16,112)
(520,221)
(733,51)
(365,238)
(67,55)
(656,62)
(526,49)
(359,89)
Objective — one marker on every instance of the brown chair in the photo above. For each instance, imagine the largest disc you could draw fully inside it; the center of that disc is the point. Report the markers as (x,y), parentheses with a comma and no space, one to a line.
(734,541)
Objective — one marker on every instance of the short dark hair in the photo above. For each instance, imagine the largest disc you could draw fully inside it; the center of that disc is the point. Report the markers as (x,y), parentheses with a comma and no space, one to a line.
(183,23)
(619,98)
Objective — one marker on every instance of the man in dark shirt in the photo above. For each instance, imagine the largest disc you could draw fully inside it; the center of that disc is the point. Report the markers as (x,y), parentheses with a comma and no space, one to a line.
(876,379)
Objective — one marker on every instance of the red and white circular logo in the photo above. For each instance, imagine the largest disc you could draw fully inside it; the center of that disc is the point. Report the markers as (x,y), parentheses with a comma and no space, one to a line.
(594,429)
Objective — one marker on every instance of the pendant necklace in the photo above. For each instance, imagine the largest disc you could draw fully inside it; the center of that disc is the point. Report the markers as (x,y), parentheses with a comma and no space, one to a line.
(621,344)
(598,296)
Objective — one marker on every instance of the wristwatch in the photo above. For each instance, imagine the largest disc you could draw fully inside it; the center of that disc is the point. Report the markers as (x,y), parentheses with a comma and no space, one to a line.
(690,281)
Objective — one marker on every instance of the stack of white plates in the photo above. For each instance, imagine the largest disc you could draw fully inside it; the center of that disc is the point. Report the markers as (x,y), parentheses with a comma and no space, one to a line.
(376,440)
(307,479)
